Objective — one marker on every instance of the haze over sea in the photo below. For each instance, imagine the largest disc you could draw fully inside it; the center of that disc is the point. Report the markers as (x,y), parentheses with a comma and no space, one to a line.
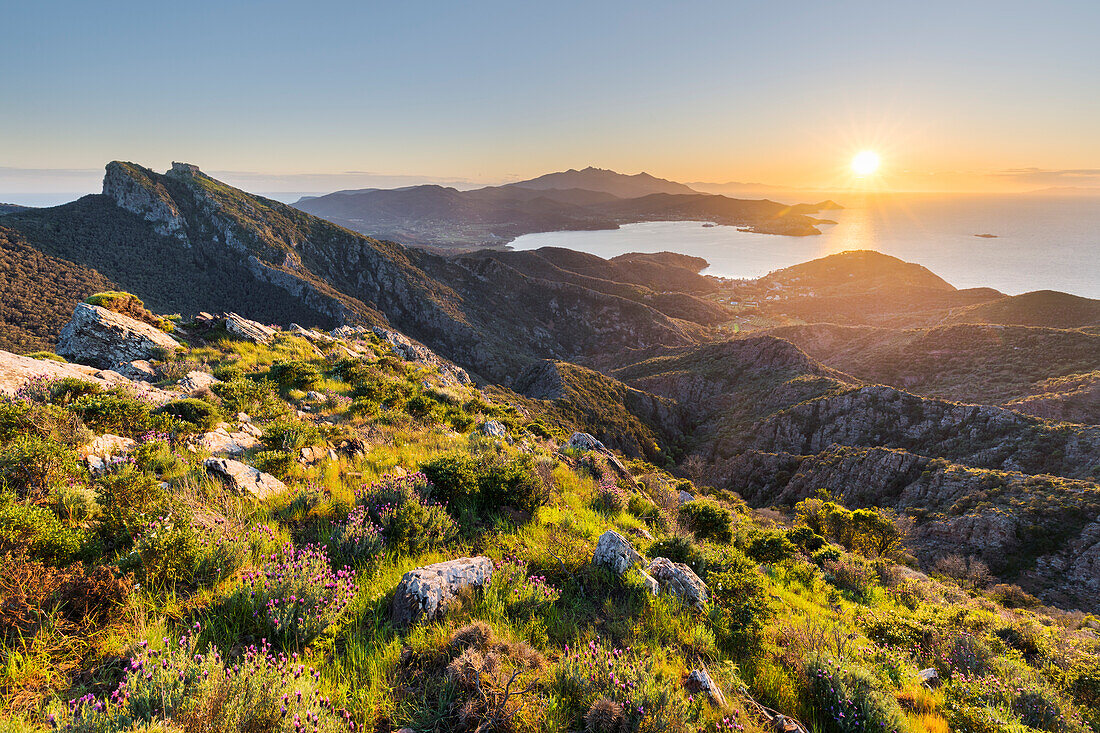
(1042,243)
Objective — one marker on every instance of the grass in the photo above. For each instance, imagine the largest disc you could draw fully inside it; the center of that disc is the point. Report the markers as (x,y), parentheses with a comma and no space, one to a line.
(545,595)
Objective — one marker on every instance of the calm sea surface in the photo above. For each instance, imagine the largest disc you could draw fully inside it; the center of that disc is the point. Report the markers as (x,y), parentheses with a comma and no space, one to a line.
(1042,242)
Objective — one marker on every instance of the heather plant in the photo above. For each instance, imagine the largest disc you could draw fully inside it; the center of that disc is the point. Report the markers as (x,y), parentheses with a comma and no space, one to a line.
(610,497)
(408,521)
(181,687)
(645,698)
(295,595)
(357,539)
(291,436)
(848,699)
(199,413)
(37,531)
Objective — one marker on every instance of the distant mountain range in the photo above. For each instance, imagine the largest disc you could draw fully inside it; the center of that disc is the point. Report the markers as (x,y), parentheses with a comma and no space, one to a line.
(592,198)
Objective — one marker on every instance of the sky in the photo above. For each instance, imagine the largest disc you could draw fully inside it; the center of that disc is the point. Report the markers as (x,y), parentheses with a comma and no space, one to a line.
(319,96)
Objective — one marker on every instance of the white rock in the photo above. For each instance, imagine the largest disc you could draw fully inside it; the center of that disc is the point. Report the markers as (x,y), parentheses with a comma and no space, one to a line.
(244,478)
(424,594)
(615,552)
(104,338)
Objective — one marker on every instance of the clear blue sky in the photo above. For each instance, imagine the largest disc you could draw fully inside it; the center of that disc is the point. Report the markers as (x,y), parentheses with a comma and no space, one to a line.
(981,92)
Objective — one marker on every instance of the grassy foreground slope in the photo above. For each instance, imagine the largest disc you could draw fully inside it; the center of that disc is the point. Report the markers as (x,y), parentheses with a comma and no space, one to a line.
(149,596)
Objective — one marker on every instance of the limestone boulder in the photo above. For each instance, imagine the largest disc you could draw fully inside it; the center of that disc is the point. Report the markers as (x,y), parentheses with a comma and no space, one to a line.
(196,380)
(494,429)
(584,442)
(103,338)
(613,551)
(699,682)
(679,580)
(246,329)
(425,594)
(244,478)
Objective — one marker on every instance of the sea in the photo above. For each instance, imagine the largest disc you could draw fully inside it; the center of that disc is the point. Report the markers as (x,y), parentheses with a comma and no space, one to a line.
(1040,242)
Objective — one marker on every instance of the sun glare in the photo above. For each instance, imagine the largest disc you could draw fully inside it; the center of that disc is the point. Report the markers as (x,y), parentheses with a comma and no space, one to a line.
(865,163)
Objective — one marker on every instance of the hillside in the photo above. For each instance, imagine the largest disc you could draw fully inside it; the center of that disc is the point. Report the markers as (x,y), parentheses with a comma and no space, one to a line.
(438,216)
(1041,308)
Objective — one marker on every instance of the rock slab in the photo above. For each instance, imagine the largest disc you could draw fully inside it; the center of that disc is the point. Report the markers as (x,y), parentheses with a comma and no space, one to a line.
(425,593)
(615,552)
(679,580)
(105,339)
(244,478)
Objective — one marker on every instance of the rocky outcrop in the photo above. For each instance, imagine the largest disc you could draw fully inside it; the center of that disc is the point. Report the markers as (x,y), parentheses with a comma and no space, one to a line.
(100,452)
(421,354)
(137,190)
(425,594)
(223,442)
(976,435)
(679,580)
(584,442)
(244,478)
(613,551)
(104,338)
(250,330)
(17,371)
(494,429)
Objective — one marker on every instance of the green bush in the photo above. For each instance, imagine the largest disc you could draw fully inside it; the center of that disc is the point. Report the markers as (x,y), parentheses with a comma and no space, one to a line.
(169,551)
(258,399)
(19,417)
(276,462)
(680,549)
(291,436)
(48,356)
(67,389)
(708,520)
(130,499)
(850,700)
(408,521)
(37,530)
(113,413)
(295,375)
(770,546)
(468,483)
(158,457)
(740,602)
(32,466)
(199,413)
(806,539)
(455,478)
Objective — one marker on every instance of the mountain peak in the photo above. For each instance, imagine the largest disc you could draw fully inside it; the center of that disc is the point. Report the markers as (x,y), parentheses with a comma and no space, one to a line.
(604,180)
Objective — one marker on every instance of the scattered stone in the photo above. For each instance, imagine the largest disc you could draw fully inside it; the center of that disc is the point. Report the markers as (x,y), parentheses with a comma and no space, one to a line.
(243,417)
(352,447)
(584,441)
(425,593)
(315,396)
(679,580)
(685,497)
(315,454)
(410,351)
(244,328)
(222,442)
(196,380)
(99,452)
(494,429)
(104,338)
(642,532)
(244,478)
(699,681)
(138,370)
(309,334)
(650,583)
(203,317)
(930,678)
(615,552)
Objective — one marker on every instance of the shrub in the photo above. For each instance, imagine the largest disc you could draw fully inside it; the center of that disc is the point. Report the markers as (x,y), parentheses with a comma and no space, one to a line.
(36,530)
(407,520)
(770,546)
(611,498)
(32,466)
(128,305)
(168,550)
(850,700)
(295,595)
(179,688)
(826,554)
(358,539)
(806,539)
(22,417)
(514,482)
(67,389)
(109,412)
(48,356)
(708,520)
(291,435)
(199,413)
(848,573)
(258,399)
(131,499)
(155,455)
(539,430)
(740,602)
(295,375)
(276,462)
(454,476)
(680,549)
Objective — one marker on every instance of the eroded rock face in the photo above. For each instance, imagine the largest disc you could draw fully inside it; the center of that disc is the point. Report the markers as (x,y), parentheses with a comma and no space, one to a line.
(424,594)
(105,339)
(244,478)
(221,441)
(99,453)
(494,429)
(615,552)
(411,351)
(251,330)
(134,189)
(679,580)
(16,371)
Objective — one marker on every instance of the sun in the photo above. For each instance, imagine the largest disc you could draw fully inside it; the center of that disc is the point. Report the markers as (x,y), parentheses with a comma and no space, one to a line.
(865,163)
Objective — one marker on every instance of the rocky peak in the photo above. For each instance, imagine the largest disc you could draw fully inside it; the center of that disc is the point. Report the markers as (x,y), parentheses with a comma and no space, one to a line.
(184,170)
(139,191)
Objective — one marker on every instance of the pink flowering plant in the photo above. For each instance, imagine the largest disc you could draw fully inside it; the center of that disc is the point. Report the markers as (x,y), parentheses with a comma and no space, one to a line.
(178,686)
(295,594)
